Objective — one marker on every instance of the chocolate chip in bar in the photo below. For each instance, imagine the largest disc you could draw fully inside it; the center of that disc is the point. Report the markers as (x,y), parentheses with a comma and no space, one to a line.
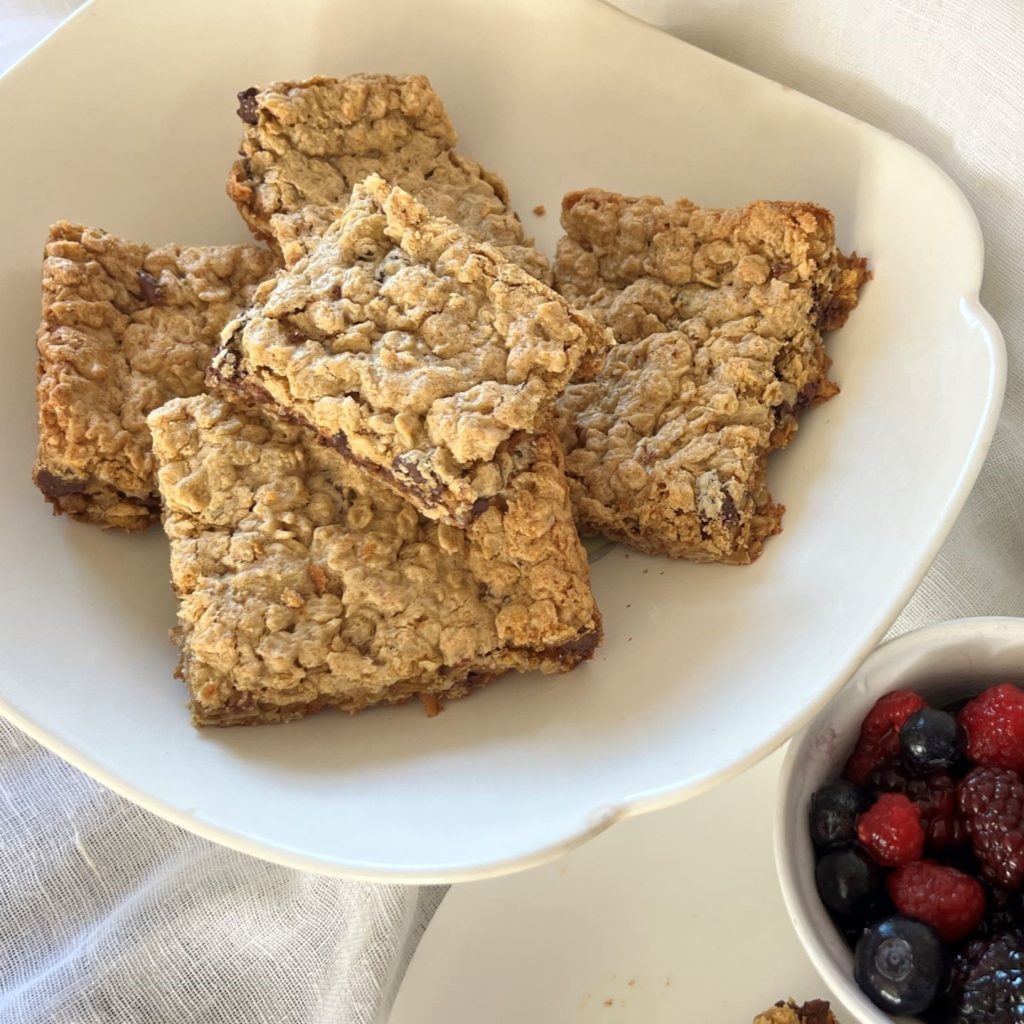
(730,513)
(247,105)
(816,1011)
(481,505)
(54,486)
(152,293)
(581,648)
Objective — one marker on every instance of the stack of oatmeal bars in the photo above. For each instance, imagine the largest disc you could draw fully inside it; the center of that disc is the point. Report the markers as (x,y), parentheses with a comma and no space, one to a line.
(373,437)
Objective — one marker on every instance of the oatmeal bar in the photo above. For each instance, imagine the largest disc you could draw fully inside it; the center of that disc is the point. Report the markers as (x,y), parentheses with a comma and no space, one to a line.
(308,144)
(124,328)
(718,316)
(417,351)
(303,583)
(814,1011)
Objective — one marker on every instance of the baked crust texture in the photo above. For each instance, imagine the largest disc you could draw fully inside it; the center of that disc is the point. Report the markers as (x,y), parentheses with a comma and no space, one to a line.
(303,583)
(124,329)
(718,315)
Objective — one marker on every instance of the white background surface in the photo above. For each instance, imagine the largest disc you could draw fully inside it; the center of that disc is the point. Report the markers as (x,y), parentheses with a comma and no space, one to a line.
(672,918)
(946,76)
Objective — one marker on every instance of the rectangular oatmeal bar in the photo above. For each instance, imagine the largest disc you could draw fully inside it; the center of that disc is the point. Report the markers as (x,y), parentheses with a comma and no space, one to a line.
(304,584)
(416,350)
(124,329)
(307,144)
(718,316)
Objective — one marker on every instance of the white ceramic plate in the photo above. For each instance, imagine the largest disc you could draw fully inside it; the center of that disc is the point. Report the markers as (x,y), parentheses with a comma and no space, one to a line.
(673,917)
(125,119)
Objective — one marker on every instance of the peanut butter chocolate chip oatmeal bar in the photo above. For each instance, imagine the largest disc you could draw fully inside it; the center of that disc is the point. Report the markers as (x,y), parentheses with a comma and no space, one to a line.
(308,144)
(415,350)
(124,329)
(303,583)
(814,1011)
(718,315)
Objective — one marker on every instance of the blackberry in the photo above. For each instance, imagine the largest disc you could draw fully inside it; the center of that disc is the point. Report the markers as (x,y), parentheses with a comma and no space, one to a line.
(987,983)
(991,804)
(1005,912)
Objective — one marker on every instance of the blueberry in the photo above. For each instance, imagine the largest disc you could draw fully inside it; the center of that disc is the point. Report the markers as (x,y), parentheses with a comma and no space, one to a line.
(834,810)
(901,964)
(847,878)
(930,741)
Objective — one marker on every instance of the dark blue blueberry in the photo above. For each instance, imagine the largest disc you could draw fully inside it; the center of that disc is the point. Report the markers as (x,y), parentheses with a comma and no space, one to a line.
(834,810)
(901,965)
(930,741)
(847,879)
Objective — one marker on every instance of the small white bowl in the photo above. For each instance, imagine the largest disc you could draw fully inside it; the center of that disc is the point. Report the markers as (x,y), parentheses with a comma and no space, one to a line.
(942,662)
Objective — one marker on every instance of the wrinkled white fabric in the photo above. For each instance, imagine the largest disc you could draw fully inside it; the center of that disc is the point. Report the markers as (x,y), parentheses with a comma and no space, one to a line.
(110,915)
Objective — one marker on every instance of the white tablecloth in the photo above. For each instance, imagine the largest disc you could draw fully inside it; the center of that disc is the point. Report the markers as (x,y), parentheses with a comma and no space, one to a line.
(110,915)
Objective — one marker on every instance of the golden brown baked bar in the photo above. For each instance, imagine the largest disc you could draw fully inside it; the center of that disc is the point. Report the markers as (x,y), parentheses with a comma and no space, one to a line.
(124,328)
(305,584)
(814,1011)
(718,315)
(414,349)
(307,144)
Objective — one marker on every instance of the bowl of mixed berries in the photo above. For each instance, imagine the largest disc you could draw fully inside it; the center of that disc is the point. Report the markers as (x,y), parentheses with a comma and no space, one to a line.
(900,829)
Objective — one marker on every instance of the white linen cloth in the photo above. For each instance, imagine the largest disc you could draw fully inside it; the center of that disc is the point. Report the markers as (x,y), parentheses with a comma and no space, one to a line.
(109,915)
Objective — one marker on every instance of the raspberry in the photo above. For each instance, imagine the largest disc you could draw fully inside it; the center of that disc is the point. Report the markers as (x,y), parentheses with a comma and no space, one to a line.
(891,830)
(987,982)
(879,739)
(951,902)
(994,726)
(991,804)
(935,796)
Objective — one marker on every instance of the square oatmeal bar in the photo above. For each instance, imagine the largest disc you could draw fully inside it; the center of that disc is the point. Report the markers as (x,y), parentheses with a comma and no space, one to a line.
(124,329)
(303,583)
(718,316)
(307,144)
(416,350)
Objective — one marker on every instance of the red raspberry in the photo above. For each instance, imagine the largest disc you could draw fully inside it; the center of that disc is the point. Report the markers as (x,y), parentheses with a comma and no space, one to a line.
(951,902)
(992,805)
(935,796)
(891,831)
(994,725)
(879,739)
